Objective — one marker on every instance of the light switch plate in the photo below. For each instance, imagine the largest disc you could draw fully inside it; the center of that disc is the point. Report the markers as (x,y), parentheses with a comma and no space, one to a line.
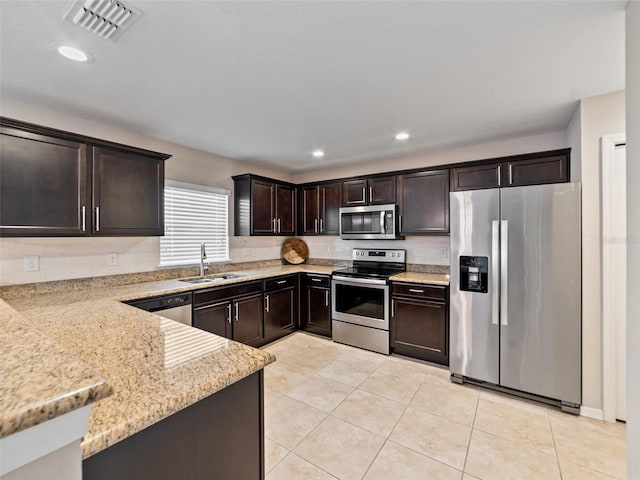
(112,259)
(444,252)
(31,263)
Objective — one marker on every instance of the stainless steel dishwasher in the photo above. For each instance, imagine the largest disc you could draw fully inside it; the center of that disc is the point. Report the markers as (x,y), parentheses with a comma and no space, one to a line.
(174,307)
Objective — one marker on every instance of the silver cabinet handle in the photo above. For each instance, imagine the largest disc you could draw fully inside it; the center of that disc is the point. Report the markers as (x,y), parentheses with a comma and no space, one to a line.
(280,282)
(364,195)
(370,194)
(84,218)
(315,226)
(279,229)
(97,219)
(495,268)
(321,225)
(273,226)
(382,216)
(266,303)
(510,174)
(326,298)
(504,271)
(416,290)
(316,279)
(499,175)
(237,312)
(393,308)
(229,312)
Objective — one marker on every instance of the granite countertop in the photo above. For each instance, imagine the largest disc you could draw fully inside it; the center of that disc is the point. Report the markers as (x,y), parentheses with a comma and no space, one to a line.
(39,380)
(153,366)
(417,277)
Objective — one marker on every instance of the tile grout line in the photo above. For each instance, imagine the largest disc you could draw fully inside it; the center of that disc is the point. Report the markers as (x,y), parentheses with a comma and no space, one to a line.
(555,448)
(473,423)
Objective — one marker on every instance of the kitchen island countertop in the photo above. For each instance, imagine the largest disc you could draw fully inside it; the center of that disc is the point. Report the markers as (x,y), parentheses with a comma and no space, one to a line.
(142,355)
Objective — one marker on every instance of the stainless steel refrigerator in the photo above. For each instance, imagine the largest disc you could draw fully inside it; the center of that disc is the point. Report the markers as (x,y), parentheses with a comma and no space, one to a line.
(515,314)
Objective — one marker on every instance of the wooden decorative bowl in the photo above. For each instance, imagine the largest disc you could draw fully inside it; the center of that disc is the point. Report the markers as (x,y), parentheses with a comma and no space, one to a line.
(295,250)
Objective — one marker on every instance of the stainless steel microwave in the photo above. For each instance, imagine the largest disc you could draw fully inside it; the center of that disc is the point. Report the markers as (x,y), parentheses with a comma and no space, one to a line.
(375,222)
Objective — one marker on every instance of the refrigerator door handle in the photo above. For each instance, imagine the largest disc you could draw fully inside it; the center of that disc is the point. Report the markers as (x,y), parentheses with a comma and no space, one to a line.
(504,271)
(495,271)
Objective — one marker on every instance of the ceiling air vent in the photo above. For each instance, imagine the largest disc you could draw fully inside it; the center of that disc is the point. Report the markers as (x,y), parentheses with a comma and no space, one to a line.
(105,18)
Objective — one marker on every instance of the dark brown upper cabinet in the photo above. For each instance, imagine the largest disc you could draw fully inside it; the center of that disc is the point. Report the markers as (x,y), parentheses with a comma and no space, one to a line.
(423,202)
(57,183)
(518,170)
(537,171)
(371,191)
(263,206)
(127,193)
(319,210)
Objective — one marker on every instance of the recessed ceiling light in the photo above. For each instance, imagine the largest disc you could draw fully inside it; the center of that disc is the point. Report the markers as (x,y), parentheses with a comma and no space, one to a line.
(72,53)
(318,154)
(402,136)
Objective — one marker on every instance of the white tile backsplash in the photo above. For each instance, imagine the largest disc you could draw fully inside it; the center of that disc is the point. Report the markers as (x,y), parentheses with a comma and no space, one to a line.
(66,258)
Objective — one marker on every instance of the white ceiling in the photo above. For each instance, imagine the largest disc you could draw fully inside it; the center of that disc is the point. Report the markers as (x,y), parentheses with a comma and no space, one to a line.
(269,82)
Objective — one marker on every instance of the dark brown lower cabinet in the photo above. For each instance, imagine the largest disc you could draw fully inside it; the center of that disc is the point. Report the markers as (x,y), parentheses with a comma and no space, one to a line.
(214,318)
(234,312)
(221,436)
(420,322)
(280,306)
(247,320)
(316,304)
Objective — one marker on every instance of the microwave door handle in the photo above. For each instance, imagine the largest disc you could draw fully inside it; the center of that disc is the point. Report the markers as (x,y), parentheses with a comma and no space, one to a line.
(382,218)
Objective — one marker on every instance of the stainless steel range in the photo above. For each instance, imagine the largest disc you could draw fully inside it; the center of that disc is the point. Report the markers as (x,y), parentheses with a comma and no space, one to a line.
(360,298)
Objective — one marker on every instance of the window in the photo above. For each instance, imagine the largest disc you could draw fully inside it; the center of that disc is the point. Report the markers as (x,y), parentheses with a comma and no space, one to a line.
(194,214)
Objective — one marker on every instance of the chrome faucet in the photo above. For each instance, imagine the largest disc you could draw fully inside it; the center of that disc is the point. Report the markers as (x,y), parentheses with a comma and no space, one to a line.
(203,256)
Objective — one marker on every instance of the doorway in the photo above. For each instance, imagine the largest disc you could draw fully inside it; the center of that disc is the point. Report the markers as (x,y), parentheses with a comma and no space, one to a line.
(614,276)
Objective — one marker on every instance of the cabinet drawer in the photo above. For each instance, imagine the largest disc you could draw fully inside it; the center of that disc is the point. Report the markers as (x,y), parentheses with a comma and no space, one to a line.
(318,280)
(204,297)
(279,283)
(419,290)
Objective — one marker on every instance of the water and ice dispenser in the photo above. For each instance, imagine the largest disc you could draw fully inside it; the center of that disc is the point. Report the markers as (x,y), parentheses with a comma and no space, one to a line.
(474,274)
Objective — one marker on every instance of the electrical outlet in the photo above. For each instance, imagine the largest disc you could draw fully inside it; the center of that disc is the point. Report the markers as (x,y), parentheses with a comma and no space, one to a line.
(31,263)
(112,259)
(444,252)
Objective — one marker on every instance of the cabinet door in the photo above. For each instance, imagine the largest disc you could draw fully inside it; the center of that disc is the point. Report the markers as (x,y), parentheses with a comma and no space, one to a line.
(318,314)
(382,190)
(354,193)
(330,203)
(43,185)
(309,220)
(419,329)
(537,171)
(477,177)
(262,207)
(424,202)
(285,210)
(127,193)
(247,320)
(279,311)
(214,318)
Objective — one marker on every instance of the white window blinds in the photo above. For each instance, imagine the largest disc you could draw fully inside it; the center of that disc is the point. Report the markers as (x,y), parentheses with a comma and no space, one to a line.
(194,214)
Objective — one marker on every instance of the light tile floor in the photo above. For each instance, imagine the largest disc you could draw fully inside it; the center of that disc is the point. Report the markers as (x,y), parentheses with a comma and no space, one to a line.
(337,412)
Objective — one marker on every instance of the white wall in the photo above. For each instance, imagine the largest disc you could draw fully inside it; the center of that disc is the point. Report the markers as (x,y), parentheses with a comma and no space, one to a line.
(574,137)
(600,115)
(64,258)
(633,236)
(499,148)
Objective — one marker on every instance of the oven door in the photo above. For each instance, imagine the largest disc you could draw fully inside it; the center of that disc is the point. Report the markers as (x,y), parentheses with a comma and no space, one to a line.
(360,301)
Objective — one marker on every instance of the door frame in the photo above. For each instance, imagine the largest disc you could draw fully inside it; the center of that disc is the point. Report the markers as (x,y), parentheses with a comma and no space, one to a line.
(609,391)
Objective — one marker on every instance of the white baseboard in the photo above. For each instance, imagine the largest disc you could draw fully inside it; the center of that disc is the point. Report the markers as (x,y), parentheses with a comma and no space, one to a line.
(592,412)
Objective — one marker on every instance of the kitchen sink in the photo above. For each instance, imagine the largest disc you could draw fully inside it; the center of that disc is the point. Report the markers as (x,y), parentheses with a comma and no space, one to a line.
(212,278)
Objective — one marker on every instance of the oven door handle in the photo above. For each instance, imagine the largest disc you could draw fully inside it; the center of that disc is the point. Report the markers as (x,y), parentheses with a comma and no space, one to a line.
(358,281)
